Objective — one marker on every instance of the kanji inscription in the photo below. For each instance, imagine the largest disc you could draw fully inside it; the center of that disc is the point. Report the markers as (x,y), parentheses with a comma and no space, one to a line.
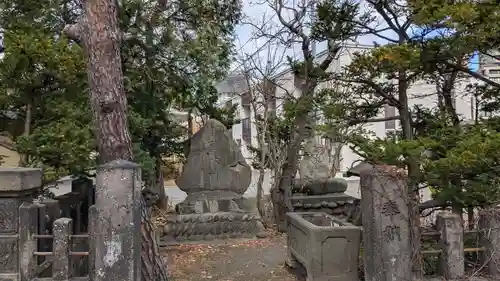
(391,233)
(390,208)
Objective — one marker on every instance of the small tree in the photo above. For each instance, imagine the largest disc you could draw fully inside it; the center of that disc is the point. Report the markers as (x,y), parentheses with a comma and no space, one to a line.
(297,27)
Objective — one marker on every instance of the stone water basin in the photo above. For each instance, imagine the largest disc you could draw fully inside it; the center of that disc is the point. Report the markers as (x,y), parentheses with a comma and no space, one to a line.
(327,247)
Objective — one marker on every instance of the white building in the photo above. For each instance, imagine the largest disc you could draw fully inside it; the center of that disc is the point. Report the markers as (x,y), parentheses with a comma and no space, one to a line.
(234,90)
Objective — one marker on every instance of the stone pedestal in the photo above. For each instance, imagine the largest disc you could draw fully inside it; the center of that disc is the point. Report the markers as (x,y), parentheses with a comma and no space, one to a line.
(17,185)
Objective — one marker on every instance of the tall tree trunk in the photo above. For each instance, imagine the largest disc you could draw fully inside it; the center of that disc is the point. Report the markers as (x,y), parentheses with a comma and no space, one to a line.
(102,39)
(160,184)
(413,170)
(260,195)
(24,159)
(283,193)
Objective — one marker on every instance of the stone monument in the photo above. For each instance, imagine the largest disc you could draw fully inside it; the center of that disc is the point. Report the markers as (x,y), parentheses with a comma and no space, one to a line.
(215,176)
(316,191)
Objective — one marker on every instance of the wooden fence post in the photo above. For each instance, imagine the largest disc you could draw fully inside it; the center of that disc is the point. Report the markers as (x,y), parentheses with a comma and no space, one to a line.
(451,242)
(61,266)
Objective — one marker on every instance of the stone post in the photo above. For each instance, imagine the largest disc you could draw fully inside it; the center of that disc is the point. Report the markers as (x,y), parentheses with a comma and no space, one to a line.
(61,265)
(489,225)
(17,185)
(28,227)
(117,232)
(386,226)
(451,262)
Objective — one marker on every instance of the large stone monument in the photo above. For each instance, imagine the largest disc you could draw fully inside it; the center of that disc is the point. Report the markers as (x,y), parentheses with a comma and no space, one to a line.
(214,177)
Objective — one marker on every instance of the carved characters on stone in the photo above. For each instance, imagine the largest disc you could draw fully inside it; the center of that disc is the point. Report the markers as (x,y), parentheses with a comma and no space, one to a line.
(316,164)
(390,208)
(392,232)
(214,162)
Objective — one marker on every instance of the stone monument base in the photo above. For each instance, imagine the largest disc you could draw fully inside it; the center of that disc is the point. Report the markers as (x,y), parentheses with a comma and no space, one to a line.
(210,202)
(211,226)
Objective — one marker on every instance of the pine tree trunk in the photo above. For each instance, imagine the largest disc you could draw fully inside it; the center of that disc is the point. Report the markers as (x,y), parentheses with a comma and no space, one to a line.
(102,39)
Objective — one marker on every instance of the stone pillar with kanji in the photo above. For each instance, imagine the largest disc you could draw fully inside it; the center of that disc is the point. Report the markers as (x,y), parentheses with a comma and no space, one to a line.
(386,224)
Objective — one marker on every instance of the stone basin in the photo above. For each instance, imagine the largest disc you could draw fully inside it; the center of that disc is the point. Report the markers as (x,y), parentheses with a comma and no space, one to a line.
(327,247)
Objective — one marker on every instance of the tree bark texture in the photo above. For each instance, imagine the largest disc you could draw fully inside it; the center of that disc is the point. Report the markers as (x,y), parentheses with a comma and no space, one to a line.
(101,39)
(24,159)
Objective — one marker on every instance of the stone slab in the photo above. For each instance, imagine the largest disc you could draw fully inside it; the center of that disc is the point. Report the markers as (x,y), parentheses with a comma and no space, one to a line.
(214,162)
(9,254)
(9,214)
(9,277)
(19,179)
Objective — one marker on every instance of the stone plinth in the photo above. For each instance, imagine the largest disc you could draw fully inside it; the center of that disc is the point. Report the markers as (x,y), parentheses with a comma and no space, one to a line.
(211,226)
(325,196)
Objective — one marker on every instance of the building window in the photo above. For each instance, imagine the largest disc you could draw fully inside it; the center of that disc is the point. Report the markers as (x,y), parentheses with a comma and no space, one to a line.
(246,130)
(390,111)
(494,71)
(246,99)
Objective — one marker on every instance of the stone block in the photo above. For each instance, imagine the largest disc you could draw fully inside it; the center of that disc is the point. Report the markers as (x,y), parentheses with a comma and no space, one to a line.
(9,254)
(9,214)
(19,179)
(451,262)
(9,277)
(327,247)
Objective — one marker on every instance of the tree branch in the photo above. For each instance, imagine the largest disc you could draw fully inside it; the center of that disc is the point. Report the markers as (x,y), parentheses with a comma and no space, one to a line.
(372,120)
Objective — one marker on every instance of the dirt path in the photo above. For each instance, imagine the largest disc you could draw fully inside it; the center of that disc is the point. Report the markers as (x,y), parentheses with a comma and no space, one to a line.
(242,260)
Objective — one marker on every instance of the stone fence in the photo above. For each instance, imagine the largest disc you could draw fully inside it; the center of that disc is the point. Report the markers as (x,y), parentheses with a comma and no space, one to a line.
(36,243)
(451,247)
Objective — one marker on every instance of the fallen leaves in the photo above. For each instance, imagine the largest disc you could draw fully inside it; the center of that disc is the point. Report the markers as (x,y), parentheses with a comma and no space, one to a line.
(231,260)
